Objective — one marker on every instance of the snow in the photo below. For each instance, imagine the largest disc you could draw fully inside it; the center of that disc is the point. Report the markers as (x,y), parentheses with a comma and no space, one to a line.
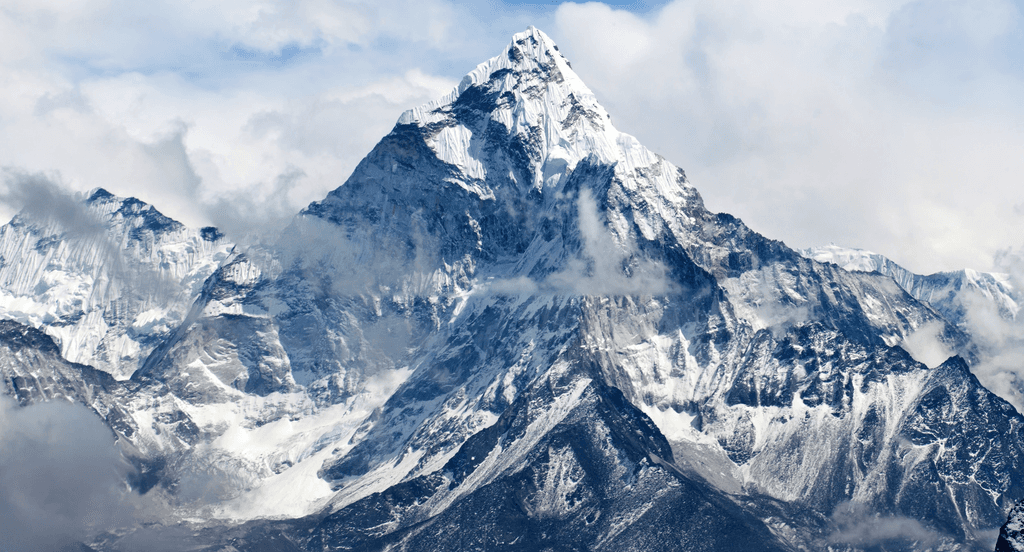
(503,458)
(675,426)
(564,143)
(102,289)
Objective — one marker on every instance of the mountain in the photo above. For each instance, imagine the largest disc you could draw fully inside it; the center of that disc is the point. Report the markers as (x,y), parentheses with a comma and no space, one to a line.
(108,279)
(983,305)
(952,294)
(514,327)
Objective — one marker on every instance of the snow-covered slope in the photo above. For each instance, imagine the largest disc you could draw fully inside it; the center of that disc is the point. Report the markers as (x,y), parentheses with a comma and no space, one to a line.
(109,286)
(951,293)
(983,305)
(514,326)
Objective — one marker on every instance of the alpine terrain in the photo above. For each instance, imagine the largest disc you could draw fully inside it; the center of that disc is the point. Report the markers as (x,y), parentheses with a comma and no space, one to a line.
(984,305)
(512,328)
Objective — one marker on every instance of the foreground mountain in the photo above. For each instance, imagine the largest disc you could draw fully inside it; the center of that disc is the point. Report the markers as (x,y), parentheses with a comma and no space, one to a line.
(514,327)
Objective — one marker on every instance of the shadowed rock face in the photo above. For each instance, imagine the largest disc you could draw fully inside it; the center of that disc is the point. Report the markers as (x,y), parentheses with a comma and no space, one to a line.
(514,327)
(597,477)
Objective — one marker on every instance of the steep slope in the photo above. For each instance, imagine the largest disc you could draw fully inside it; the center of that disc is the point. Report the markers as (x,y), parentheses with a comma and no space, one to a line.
(507,226)
(982,305)
(700,307)
(569,465)
(510,224)
(32,370)
(108,281)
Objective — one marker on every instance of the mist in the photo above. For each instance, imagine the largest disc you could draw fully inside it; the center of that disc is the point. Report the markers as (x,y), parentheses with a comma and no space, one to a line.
(998,332)
(62,478)
(859,526)
(606,264)
(41,199)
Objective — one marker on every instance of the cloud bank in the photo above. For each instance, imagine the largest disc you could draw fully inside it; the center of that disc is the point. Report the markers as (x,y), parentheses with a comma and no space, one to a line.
(61,477)
(892,126)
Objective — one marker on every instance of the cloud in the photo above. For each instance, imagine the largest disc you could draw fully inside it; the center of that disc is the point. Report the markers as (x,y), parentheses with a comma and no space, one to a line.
(61,477)
(891,126)
(41,199)
(607,264)
(605,260)
(998,331)
(856,525)
(926,345)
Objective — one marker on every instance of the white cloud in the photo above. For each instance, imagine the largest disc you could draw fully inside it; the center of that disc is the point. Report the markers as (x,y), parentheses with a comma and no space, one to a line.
(889,126)
(606,264)
(1000,335)
(601,268)
(858,525)
(926,344)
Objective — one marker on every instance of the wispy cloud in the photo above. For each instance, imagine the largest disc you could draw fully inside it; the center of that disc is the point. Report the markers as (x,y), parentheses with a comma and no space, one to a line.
(61,477)
(40,199)
(859,526)
(606,264)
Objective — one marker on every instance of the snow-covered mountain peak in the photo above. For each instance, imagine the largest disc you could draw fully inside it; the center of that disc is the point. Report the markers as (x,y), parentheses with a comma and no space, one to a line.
(528,97)
(106,276)
(140,216)
(850,258)
(511,326)
(495,180)
(529,53)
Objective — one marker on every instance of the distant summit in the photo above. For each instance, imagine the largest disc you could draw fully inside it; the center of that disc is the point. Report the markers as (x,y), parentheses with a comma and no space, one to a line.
(512,328)
(107,278)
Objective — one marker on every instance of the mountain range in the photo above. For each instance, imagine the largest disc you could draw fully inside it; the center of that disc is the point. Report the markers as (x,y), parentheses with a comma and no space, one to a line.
(515,328)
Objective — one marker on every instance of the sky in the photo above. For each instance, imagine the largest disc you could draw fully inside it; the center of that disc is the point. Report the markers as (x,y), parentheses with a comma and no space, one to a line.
(891,126)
